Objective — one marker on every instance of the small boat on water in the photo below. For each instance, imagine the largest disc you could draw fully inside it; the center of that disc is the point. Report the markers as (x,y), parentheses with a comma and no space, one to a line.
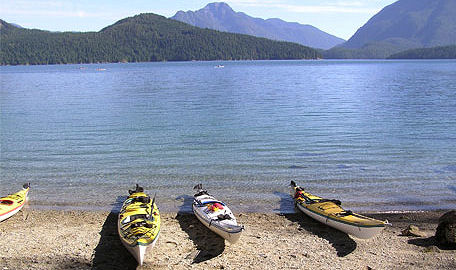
(13,203)
(215,215)
(219,66)
(330,212)
(138,223)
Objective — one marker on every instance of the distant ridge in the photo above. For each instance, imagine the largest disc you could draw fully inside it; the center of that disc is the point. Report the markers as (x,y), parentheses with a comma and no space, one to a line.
(403,25)
(421,23)
(220,16)
(16,25)
(442,52)
(142,38)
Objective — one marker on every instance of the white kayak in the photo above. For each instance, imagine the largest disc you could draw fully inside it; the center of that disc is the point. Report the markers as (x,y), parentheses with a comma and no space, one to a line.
(215,215)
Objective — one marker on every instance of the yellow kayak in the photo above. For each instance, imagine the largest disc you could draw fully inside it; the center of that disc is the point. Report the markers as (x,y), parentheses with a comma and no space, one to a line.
(330,212)
(11,204)
(138,223)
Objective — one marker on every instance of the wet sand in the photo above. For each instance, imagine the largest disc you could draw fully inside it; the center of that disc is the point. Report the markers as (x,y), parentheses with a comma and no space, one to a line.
(49,239)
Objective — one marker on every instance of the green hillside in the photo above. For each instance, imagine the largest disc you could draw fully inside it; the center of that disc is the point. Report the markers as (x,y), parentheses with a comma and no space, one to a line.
(371,50)
(142,38)
(445,52)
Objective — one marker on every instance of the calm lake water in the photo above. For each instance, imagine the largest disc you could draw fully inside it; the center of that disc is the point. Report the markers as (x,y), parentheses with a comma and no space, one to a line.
(378,135)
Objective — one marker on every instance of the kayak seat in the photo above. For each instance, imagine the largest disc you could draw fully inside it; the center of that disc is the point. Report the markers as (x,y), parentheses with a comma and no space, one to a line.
(6,202)
(204,203)
(345,213)
(337,202)
(133,217)
(223,217)
(142,223)
(142,199)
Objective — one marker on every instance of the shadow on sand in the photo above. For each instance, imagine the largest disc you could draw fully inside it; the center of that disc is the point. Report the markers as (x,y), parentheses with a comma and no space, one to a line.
(343,244)
(430,242)
(423,242)
(110,253)
(208,244)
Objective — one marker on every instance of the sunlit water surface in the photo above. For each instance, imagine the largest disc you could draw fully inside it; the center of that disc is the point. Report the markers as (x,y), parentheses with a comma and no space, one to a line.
(378,135)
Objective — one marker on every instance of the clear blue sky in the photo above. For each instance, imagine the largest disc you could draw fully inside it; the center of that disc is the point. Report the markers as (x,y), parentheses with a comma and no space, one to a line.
(338,17)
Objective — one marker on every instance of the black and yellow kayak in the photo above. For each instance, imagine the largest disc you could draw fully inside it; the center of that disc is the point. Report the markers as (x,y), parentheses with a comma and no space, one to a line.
(13,203)
(139,223)
(330,212)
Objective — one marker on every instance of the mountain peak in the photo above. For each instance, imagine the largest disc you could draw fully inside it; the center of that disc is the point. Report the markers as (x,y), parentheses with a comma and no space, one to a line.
(219,9)
(218,6)
(423,22)
(220,16)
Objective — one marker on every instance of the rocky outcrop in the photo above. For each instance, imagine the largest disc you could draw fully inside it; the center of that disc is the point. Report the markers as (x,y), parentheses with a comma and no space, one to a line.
(445,234)
(413,230)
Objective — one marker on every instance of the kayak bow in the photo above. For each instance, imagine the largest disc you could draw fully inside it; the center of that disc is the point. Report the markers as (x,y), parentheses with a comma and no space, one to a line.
(13,203)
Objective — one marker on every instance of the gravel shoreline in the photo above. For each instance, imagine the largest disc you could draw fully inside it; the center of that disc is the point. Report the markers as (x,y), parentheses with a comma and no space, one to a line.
(50,239)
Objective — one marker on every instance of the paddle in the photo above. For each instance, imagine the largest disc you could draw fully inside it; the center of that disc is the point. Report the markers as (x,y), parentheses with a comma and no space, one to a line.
(151,216)
(153,200)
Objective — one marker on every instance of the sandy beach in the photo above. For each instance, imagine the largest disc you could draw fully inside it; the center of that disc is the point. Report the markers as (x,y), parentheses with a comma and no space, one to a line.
(49,239)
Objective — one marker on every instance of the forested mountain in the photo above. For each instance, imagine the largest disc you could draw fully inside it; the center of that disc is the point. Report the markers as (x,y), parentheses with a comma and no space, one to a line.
(142,38)
(403,25)
(220,16)
(445,52)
